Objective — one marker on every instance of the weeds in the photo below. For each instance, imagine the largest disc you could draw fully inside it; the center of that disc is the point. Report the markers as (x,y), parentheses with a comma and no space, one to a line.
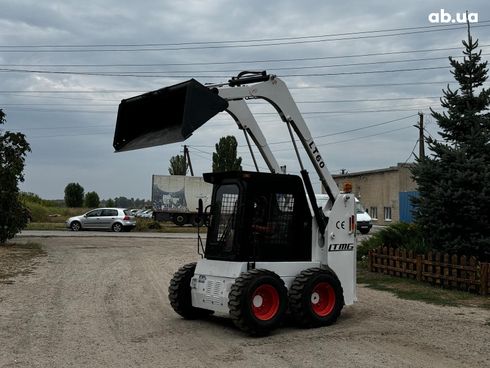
(413,290)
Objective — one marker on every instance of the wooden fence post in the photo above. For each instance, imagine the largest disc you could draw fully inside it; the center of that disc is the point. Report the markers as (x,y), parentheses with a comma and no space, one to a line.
(454,271)
(437,272)
(385,260)
(418,267)
(484,271)
(472,274)
(447,283)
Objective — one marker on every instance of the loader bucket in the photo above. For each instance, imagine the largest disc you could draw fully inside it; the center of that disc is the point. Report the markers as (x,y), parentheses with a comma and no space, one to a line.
(164,116)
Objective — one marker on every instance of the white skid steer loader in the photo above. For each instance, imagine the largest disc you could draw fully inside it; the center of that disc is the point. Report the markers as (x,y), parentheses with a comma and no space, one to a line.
(270,250)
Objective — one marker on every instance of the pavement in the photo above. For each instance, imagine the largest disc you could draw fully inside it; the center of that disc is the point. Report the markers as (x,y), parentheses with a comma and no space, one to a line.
(107,234)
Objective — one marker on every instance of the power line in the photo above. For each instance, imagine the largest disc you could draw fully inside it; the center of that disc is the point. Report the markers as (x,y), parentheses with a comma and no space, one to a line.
(407,108)
(72,49)
(352,130)
(67,135)
(245,61)
(241,41)
(234,70)
(251,103)
(415,83)
(412,153)
(353,139)
(148,75)
(331,134)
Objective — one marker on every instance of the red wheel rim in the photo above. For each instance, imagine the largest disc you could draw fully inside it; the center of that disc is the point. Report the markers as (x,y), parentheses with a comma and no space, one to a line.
(265,302)
(323,299)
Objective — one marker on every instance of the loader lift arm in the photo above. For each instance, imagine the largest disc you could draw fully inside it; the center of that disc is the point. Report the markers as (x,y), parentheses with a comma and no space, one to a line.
(275,91)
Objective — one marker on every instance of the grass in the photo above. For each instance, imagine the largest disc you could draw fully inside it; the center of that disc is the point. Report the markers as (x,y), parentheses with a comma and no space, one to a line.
(413,290)
(142,225)
(45,226)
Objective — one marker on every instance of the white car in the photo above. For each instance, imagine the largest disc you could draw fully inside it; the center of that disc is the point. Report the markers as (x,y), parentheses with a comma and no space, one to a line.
(363,220)
(115,219)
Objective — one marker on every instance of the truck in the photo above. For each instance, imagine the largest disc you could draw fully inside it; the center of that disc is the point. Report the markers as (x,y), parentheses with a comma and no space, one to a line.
(270,249)
(175,198)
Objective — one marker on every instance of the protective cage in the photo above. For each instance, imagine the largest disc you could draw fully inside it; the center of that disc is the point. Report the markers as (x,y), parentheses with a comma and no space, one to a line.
(258,217)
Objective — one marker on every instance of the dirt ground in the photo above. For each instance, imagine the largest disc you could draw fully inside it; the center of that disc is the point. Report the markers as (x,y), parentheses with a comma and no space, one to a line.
(102,302)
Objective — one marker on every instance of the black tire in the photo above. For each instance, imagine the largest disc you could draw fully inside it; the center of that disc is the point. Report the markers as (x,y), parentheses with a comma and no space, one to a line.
(257,302)
(180,219)
(179,293)
(316,298)
(117,227)
(364,231)
(76,226)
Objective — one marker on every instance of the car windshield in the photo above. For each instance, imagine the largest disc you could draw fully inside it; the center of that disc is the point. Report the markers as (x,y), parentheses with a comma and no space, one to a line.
(127,212)
(359,207)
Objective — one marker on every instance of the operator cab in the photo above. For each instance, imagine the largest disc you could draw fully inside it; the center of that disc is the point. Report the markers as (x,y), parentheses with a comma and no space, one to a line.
(258,217)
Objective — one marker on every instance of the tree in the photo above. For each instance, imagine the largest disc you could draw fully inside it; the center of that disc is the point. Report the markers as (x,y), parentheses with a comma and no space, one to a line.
(13,150)
(110,203)
(454,183)
(225,158)
(92,200)
(123,202)
(74,195)
(178,165)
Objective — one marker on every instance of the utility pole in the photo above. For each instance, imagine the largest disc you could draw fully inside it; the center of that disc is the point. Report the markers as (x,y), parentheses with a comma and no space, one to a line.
(188,159)
(420,126)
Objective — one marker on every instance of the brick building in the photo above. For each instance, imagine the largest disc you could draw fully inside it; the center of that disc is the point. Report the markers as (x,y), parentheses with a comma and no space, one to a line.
(384,192)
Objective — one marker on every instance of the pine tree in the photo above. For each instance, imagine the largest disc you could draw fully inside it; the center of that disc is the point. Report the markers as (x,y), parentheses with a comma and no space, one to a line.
(454,183)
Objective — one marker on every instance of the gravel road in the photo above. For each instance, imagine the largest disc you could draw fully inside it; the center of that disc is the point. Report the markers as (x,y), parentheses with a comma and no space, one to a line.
(102,302)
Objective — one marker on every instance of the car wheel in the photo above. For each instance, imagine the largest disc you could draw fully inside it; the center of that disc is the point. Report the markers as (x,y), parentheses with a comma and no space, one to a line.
(117,227)
(76,226)
(364,231)
(257,301)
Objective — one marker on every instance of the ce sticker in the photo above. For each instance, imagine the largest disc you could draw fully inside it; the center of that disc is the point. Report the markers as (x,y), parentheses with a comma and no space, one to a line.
(340,225)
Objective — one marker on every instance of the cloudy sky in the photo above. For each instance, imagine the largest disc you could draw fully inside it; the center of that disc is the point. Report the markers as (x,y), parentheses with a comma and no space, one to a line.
(360,72)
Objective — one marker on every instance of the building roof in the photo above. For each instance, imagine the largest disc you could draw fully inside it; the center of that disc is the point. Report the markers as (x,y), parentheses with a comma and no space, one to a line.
(376,171)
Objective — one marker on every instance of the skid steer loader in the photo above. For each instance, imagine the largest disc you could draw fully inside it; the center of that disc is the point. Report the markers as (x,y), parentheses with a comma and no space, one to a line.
(269,250)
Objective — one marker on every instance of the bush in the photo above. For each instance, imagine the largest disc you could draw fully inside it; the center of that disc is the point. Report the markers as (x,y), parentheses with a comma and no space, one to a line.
(400,235)
(147,224)
(154,225)
(39,213)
